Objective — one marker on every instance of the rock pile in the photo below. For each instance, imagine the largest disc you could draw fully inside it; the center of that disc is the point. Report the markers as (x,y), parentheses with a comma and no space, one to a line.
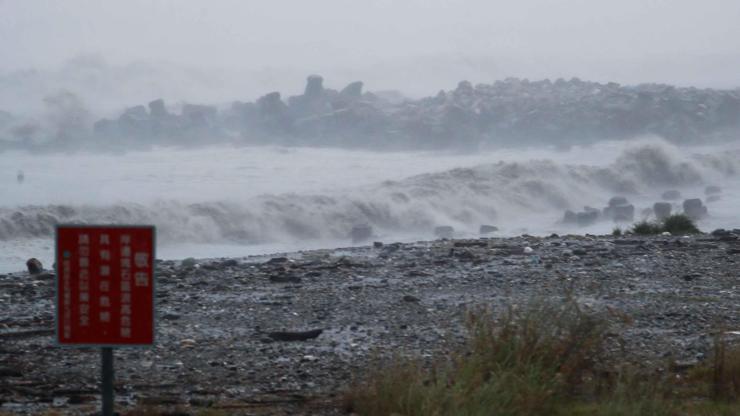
(561,112)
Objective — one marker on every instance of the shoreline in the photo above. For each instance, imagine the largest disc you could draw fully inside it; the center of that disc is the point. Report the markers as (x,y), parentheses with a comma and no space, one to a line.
(220,321)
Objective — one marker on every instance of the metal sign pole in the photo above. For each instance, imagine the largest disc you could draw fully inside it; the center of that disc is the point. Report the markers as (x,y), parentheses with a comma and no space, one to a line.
(107,353)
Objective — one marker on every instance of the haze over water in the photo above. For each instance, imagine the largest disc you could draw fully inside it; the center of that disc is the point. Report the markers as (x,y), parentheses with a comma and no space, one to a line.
(68,67)
(228,201)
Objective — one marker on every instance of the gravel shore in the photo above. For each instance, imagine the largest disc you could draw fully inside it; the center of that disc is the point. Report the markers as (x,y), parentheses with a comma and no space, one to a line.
(286,334)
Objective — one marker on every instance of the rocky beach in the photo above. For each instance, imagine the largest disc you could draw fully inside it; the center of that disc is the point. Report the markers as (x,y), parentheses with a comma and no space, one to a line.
(290,333)
(370,208)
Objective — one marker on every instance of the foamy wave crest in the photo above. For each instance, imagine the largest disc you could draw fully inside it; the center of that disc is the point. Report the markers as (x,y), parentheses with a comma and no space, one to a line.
(464,198)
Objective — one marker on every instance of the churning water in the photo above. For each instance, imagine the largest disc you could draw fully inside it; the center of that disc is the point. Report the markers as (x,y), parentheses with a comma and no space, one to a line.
(234,201)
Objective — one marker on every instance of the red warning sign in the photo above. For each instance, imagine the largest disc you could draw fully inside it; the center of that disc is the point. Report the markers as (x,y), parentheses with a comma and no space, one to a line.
(105,285)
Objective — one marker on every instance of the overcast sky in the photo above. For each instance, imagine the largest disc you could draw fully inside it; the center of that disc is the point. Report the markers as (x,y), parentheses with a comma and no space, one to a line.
(421,44)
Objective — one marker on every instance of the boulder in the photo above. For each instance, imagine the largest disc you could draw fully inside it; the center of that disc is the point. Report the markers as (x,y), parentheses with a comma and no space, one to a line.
(293,336)
(199,114)
(104,127)
(360,233)
(662,210)
(569,217)
(34,266)
(272,113)
(157,109)
(712,190)
(619,209)
(229,263)
(609,213)
(314,86)
(623,213)
(284,278)
(586,218)
(721,232)
(618,201)
(672,195)
(487,229)
(353,90)
(464,89)
(270,104)
(444,231)
(189,262)
(694,208)
(135,113)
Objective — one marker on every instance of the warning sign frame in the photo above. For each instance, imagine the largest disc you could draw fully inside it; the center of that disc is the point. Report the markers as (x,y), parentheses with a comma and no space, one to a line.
(149,325)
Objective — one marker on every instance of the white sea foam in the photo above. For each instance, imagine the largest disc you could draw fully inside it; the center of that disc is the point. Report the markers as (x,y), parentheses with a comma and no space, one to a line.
(238,201)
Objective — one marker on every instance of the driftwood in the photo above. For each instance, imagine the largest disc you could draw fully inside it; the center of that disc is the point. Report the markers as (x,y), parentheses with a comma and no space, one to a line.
(295,336)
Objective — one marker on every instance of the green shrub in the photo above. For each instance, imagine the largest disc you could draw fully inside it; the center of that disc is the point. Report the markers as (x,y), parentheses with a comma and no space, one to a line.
(680,224)
(719,377)
(646,228)
(546,360)
(617,232)
(675,224)
(521,364)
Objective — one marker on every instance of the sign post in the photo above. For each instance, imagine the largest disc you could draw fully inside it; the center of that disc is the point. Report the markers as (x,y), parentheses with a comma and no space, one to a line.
(105,291)
(107,384)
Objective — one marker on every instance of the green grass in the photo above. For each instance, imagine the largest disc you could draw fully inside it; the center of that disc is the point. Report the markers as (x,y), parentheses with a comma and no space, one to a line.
(544,360)
(646,228)
(719,377)
(678,224)
(520,364)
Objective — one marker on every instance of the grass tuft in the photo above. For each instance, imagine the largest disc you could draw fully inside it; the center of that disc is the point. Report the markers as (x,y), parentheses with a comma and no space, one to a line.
(545,360)
(678,224)
(646,228)
(725,371)
(520,364)
(719,377)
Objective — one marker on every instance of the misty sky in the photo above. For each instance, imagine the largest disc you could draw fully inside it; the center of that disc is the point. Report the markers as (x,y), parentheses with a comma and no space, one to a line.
(423,45)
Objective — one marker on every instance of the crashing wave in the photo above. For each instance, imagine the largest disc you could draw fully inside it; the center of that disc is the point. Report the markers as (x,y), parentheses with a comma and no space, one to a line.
(464,198)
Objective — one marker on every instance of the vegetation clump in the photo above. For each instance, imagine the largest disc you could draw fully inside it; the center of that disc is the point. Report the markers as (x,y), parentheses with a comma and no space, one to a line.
(674,224)
(680,224)
(544,360)
(647,228)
